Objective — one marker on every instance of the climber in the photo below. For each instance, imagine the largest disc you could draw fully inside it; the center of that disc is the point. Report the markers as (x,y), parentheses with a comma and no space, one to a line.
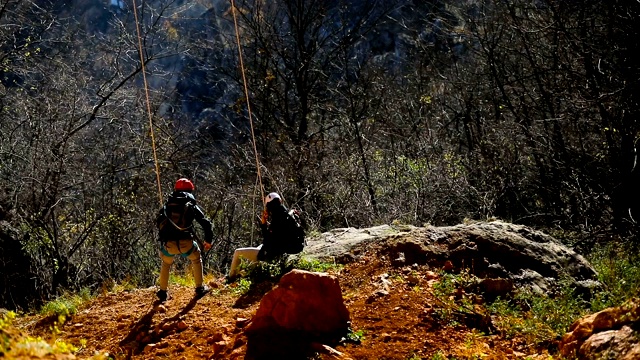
(177,235)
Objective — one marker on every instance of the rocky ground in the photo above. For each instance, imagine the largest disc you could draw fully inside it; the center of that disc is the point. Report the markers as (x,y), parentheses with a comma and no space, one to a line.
(393,312)
(391,280)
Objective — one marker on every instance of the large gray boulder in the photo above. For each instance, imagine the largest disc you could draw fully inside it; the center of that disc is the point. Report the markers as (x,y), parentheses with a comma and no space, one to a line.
(521,256)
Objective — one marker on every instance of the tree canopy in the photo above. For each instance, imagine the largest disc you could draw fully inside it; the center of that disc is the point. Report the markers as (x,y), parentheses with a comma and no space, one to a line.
(363,113)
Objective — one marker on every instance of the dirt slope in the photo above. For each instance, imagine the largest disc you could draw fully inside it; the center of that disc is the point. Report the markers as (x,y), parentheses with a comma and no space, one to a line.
(393,309)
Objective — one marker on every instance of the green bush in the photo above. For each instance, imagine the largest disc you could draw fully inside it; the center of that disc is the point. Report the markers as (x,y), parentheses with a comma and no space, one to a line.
(14,344)
(512,321)
(5,323)
(618,270)
(542,318)
(314,265)
(242,286)
(537,317)
(66,305)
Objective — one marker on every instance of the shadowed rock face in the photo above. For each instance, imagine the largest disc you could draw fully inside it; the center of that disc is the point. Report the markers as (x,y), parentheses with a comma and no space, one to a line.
(306,301)
(17,281)
(304,308)
(491,250)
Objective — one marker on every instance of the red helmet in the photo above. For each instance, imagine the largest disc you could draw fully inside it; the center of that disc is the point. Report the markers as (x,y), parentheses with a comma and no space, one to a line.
(184,184)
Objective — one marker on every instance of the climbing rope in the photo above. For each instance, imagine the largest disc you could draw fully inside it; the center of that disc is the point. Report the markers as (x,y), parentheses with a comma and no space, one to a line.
(146,92)
(246,94)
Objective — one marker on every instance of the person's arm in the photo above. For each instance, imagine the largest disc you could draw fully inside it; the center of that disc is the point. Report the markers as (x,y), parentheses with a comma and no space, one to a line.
(206,225)
(160,217)
(266,237)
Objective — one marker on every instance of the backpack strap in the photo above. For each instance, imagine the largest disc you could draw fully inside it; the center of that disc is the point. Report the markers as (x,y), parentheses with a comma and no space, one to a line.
(186,206)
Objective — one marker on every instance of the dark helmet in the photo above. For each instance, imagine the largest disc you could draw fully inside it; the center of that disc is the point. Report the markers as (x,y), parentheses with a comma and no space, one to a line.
(184,184)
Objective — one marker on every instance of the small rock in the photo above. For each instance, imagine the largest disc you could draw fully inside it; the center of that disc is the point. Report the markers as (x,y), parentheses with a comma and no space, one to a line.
(430,275)
(217,337)
(182,325)
(377,294)
(238,342)
(448,266)
(413,280)
(218,346)
(401,260)
(241,322)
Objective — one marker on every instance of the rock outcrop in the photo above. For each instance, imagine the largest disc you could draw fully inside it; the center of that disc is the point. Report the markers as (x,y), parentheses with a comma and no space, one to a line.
(512,255)
(612,333)
(305,308)
(17,281)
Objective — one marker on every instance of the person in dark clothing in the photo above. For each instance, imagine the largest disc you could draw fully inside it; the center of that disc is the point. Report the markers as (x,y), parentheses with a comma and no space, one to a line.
(272,225)
(177,235)
(274,229)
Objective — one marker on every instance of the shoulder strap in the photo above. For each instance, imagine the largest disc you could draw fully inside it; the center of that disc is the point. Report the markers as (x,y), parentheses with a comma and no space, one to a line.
(187,205)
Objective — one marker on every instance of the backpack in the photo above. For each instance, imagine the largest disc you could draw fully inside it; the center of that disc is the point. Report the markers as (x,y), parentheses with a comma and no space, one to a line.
(175,219)
(295,241)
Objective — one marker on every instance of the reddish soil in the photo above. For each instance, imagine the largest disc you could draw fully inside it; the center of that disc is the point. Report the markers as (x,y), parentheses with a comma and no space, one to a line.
(402,323)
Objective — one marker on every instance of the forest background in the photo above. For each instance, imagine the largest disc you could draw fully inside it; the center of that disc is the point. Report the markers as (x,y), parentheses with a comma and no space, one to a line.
(364,112)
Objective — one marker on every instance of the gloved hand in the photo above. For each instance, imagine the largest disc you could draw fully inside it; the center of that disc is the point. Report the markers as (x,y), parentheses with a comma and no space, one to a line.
(207,246)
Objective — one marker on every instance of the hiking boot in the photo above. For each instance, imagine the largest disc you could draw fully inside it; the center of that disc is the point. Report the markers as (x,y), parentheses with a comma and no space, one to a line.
(162,295)
(202,291)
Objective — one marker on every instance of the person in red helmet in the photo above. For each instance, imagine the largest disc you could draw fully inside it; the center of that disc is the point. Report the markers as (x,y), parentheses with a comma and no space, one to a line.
(177,235)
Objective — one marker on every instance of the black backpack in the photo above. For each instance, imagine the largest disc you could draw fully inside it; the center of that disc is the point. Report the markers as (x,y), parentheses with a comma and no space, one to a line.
(295,241)
(175,219)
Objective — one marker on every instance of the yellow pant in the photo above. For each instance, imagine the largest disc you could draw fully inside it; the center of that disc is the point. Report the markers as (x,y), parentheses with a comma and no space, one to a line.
(182,247)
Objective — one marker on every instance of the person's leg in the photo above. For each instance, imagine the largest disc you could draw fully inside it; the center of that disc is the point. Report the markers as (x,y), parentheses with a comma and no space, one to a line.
(248,253)
(196,260)
(167,254)
(163,282)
